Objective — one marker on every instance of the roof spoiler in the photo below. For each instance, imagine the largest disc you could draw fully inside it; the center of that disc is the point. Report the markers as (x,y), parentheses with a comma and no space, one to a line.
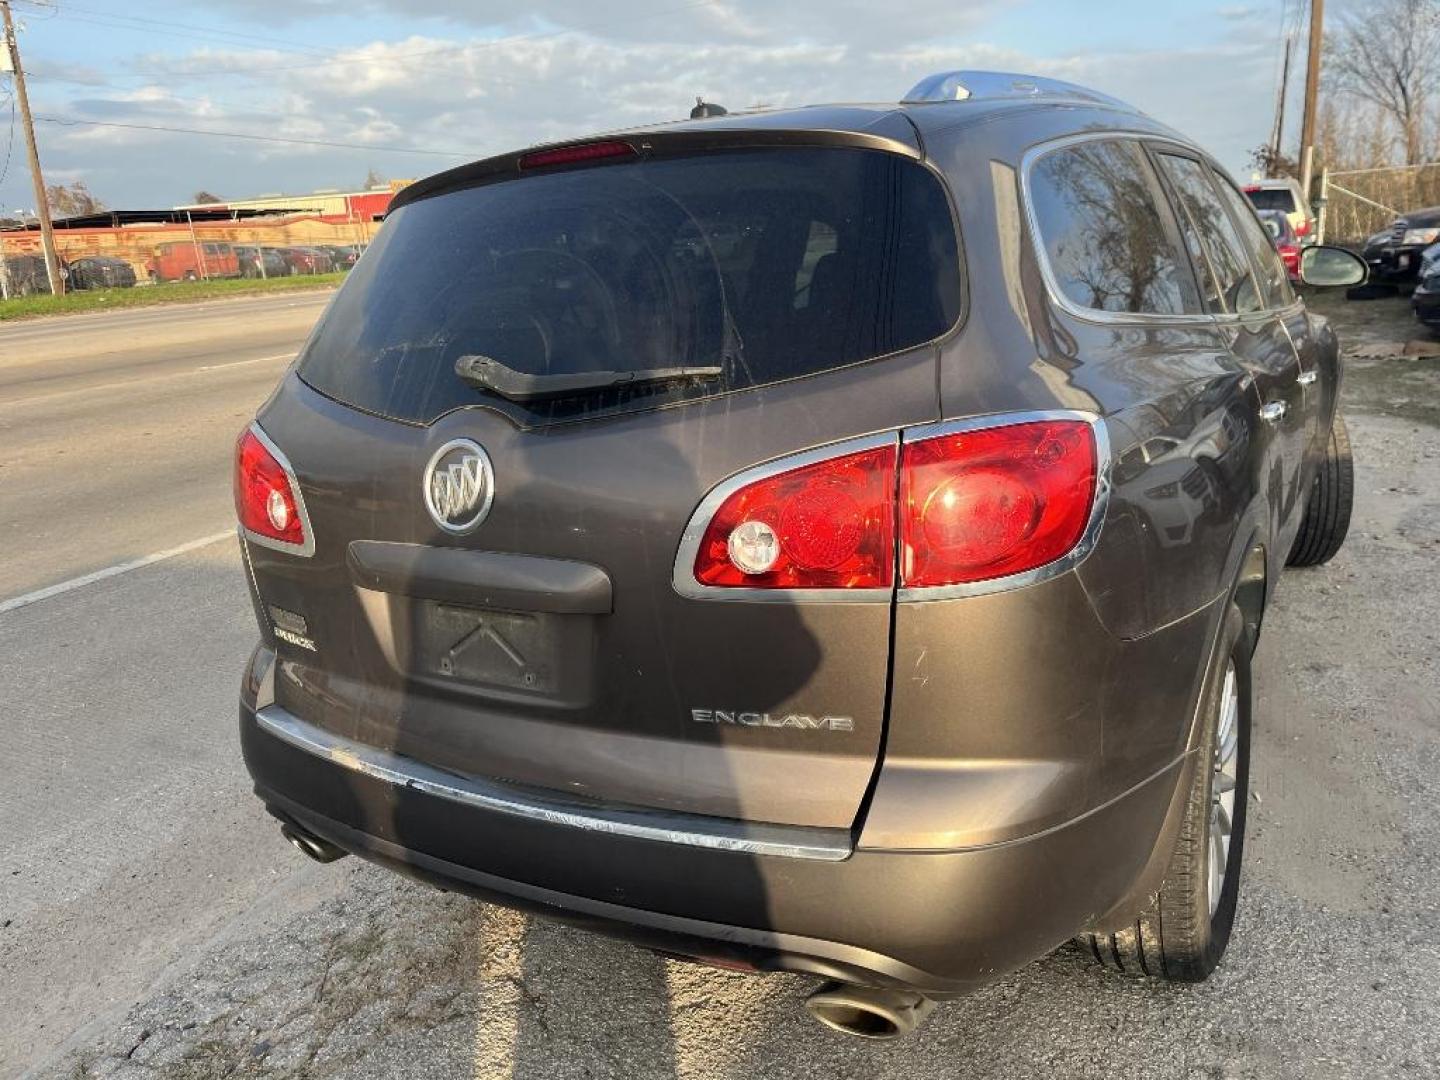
(1003,85)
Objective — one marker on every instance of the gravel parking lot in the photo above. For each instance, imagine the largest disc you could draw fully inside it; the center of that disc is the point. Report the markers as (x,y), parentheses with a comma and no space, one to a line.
(1334,972)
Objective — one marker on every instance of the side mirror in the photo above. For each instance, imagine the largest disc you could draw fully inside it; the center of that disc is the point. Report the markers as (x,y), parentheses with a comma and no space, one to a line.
(1325,266)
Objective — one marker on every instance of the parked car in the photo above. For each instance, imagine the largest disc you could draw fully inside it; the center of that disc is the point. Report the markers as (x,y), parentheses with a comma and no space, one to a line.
(304,260)
(1284,194)
(342,256)
(258,262)
(184,260)
(1394,255)
(26,276)
(1284,239)
(844,598)
(101,272)
(1425,300)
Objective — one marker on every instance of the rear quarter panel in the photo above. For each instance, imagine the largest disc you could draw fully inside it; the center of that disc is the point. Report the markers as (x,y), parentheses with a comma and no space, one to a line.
(1014,711)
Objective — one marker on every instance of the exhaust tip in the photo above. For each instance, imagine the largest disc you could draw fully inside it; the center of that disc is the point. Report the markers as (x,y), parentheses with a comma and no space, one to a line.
(322,851)
(869,1012)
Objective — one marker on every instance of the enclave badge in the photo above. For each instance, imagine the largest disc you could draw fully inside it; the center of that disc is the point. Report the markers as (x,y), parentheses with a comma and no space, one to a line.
(803,721)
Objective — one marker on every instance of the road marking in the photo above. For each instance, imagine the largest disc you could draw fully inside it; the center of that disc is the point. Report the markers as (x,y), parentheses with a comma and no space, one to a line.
(111,571)
(241,363)
(143,380)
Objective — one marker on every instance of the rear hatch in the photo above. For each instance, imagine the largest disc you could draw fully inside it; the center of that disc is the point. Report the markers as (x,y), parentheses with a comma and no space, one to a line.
(800,287)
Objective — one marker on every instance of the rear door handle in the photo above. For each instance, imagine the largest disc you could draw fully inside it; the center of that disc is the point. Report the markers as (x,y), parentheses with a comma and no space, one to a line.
(1273,412)
(1307,377)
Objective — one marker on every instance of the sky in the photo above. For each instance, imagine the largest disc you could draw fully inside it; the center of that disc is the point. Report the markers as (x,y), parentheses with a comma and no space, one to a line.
(415,86)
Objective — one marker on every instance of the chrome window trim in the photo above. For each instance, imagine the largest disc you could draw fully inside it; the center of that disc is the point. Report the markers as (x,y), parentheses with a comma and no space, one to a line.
(784,841)
(1042,257)
(1119,318)
(308,547)
(1099,505)
(682,577)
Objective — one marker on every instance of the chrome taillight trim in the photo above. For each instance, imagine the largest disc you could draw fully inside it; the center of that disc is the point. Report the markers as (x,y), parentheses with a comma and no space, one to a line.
(305,549)
(785,841)
(683,574)
(1099,504)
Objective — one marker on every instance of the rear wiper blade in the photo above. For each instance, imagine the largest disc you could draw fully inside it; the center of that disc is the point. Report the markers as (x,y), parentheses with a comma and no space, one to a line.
(487,373)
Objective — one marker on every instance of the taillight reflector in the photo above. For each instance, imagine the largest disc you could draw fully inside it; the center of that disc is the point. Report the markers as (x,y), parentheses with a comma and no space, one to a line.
(569,155)
(829,525)
(265,500)
(984,504)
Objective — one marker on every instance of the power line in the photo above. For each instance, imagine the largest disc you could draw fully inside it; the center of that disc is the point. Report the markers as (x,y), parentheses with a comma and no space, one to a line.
(118,23)
(372,147)
(9,141)
(140,22)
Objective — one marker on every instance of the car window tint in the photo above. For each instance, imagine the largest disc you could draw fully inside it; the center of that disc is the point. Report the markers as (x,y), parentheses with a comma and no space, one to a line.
(1234,289)
(768,264)
(1108,246)
(1272,199)
(1274,282)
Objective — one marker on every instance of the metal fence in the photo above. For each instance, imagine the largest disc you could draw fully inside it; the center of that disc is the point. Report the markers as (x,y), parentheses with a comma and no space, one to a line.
(1357,203)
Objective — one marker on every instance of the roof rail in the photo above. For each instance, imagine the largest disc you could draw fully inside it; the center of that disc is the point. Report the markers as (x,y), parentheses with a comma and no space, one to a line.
(1000,85)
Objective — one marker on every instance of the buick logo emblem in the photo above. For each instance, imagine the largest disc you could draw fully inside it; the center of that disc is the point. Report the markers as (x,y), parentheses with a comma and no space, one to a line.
(459,485)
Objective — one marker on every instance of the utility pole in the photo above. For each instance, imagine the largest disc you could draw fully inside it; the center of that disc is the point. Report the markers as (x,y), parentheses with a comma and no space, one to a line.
(42,204)
(1277,134)
(1312,92)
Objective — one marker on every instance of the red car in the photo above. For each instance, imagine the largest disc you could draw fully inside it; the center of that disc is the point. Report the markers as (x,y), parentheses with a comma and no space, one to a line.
(1277,224)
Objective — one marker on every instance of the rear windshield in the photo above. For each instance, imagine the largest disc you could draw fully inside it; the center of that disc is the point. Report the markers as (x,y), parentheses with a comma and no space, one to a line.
(1272,199)
(769,264)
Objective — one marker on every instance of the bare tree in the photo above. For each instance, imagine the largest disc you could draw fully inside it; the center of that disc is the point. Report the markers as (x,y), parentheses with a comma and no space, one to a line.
(1388,52)
(72,200)
(373,179)
(207,198)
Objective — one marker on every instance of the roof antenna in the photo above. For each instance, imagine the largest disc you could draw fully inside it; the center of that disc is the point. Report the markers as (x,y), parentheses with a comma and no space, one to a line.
(704,109)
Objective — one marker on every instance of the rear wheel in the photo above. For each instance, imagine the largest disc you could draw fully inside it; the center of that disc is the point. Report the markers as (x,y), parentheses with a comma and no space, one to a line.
(1327,508)
(1182,934)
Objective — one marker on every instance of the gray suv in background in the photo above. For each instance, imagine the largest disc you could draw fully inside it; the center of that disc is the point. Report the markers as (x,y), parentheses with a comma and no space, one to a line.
(828,540)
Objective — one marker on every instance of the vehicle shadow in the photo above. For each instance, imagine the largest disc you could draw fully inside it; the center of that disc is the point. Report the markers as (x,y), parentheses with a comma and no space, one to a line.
(560,1001)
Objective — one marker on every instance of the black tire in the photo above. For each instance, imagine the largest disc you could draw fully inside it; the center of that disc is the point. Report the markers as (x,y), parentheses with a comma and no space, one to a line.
(1327,507)
(1177,938)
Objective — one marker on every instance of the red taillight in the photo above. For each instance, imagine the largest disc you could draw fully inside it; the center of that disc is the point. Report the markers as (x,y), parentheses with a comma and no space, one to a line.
(265,500)
(1303,229)
(829,525)
(967,506)
(569,155)
(984,504)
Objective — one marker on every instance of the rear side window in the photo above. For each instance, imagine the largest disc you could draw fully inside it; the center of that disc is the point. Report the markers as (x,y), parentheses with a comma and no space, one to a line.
(770,264)
(1109,246)
(1274,282)
(1272,199)
(1228,281)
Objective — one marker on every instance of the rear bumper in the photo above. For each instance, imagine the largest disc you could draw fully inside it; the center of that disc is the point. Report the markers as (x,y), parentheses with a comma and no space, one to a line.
(942,921)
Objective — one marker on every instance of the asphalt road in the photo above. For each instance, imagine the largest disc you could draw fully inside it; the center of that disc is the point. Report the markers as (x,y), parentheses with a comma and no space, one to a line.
(155,925)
